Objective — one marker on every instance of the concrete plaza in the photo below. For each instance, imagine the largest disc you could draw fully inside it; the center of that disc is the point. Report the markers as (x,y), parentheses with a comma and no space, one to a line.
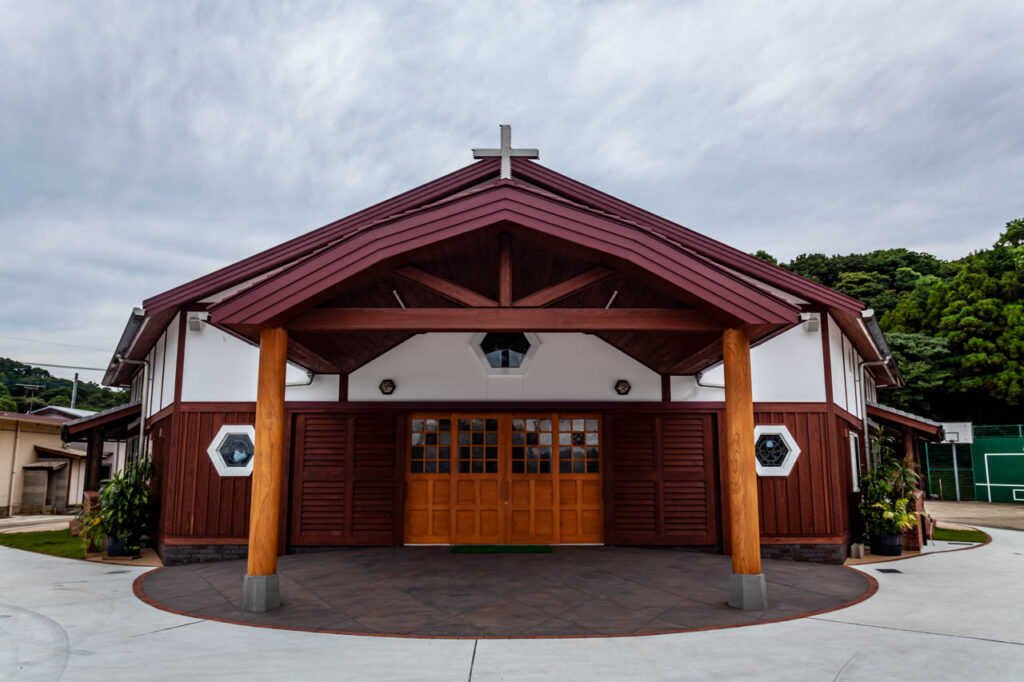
(944,616)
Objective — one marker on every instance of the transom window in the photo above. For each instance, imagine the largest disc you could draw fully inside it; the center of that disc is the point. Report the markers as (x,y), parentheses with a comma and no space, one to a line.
(579,446)
(478,446)
(532,446)
(431,441)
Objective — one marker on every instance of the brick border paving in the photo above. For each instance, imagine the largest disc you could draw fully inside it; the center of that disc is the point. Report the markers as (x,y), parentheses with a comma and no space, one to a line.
(574,592)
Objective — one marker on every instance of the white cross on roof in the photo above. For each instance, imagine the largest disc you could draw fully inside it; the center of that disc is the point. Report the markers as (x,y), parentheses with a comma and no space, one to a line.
(506,152)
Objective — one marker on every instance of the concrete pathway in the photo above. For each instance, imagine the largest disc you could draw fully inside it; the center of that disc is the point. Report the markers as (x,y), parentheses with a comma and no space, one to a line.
(1006,516)
(943,617)
(27,524)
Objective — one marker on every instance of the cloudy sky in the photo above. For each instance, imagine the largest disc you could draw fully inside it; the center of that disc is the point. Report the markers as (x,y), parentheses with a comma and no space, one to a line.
(144,144)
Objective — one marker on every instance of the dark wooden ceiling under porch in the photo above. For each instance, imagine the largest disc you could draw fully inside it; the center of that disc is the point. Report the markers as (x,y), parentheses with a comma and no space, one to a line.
(506,277)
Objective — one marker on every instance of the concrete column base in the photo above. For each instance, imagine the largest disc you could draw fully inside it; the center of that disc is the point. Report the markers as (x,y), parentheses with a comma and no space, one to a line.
(260,593)
(748,592)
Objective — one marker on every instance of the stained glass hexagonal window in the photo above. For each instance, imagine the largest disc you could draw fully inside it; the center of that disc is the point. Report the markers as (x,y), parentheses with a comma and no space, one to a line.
(771,450)
(775,450)
(232,450)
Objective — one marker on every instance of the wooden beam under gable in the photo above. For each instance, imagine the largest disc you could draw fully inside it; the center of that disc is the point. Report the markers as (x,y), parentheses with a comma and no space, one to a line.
(505,271)
(557,292)
(502,319)
(447,289)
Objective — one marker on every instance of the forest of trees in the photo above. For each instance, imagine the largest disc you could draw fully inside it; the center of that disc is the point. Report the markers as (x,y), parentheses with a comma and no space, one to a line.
(24,388)
(956,328)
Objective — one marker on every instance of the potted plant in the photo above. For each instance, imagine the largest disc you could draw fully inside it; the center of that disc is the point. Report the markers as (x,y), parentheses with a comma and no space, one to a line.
(886,506)
(125,508)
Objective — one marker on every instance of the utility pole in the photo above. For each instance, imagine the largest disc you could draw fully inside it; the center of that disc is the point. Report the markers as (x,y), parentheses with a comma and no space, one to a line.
(74,392)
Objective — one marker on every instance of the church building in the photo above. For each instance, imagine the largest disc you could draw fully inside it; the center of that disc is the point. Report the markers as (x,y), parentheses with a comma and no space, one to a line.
(503,355)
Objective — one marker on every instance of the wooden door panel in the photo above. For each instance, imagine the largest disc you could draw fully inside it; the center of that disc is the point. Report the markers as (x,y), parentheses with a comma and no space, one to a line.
(478,505)
(509,482)
(428,501)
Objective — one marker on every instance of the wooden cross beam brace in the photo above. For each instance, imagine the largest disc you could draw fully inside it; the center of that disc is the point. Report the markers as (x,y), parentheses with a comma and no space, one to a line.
(448,289)
(556,292)
(538,299)
(502,319)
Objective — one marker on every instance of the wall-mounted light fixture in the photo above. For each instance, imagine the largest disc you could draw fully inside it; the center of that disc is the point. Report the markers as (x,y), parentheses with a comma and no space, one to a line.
(388,386)
(810,322)
(196,320)
(622,387)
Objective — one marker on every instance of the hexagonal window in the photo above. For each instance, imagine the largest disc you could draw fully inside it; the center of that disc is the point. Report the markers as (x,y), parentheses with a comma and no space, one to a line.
(771,450)
(505,352)
(775,449)
(231,450)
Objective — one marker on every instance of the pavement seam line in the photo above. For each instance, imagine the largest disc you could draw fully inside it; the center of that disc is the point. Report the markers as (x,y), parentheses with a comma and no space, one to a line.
(172,627)
(919,632)
(472,660)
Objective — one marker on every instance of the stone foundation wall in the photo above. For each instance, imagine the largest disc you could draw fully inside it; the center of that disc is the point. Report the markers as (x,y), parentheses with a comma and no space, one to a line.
(821,554)
(172,555)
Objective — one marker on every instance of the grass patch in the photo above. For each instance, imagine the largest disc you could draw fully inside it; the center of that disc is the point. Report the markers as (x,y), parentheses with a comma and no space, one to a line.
(55,542)
(501,549)
(957,535)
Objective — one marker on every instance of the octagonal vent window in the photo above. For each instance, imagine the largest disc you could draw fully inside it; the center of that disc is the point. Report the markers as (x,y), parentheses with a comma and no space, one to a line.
(775,449)
(232,450)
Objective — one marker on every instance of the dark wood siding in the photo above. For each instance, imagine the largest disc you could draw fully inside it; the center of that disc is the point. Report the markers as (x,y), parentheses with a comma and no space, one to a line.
(662,480)
(809,505)
(195,500)
(344,480)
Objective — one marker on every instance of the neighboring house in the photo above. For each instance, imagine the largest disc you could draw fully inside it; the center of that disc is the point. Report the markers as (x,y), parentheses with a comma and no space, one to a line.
(504,355)
(38,474)
(115,449)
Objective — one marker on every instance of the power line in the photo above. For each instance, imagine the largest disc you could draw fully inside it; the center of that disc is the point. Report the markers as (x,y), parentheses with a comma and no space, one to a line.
(55,343)
(43,364)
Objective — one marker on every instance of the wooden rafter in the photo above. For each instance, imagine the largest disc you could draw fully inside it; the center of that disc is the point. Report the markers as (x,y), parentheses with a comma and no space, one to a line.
(502,319)
(557,292)
(448,289)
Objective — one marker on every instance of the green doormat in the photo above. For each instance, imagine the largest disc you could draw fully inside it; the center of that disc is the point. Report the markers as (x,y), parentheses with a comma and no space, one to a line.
(501,549)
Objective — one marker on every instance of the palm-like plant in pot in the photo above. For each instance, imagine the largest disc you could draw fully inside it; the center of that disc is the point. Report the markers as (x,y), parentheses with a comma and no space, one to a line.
(125,507)
(887,506)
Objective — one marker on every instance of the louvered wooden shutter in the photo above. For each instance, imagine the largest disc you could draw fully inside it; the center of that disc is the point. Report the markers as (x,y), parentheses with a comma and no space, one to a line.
(688,481)
(662,487)
(635,479)
(374,482)
(320,480)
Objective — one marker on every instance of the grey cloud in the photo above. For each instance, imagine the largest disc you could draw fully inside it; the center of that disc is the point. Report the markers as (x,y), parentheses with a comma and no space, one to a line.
(142,145)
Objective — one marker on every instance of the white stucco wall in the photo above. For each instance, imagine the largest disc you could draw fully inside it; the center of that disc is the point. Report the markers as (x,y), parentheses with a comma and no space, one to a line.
(444,366)
(787,368)
(223,368)
(846,388)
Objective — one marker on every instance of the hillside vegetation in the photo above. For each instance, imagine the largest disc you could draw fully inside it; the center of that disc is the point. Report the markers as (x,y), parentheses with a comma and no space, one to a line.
(24,388)
(956,328)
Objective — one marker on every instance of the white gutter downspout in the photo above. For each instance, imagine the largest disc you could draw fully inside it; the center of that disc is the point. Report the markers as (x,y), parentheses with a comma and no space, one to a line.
(143,398)
(862,380)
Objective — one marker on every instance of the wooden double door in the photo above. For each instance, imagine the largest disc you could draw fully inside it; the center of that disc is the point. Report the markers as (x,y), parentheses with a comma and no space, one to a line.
(504,478)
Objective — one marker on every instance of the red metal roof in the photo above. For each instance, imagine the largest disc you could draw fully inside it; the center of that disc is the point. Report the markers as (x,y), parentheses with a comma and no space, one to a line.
(316,259)
(303,245)
(277,297)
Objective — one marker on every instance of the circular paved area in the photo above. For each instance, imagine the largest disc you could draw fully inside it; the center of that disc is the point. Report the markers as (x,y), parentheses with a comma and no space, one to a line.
(574,591)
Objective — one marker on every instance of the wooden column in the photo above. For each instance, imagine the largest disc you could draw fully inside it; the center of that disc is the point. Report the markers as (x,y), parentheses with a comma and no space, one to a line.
(747,589)
(260,591)
(93,459)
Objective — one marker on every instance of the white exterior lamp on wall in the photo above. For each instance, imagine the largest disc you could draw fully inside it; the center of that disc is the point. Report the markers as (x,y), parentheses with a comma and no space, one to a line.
(231,450)
(775,449)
